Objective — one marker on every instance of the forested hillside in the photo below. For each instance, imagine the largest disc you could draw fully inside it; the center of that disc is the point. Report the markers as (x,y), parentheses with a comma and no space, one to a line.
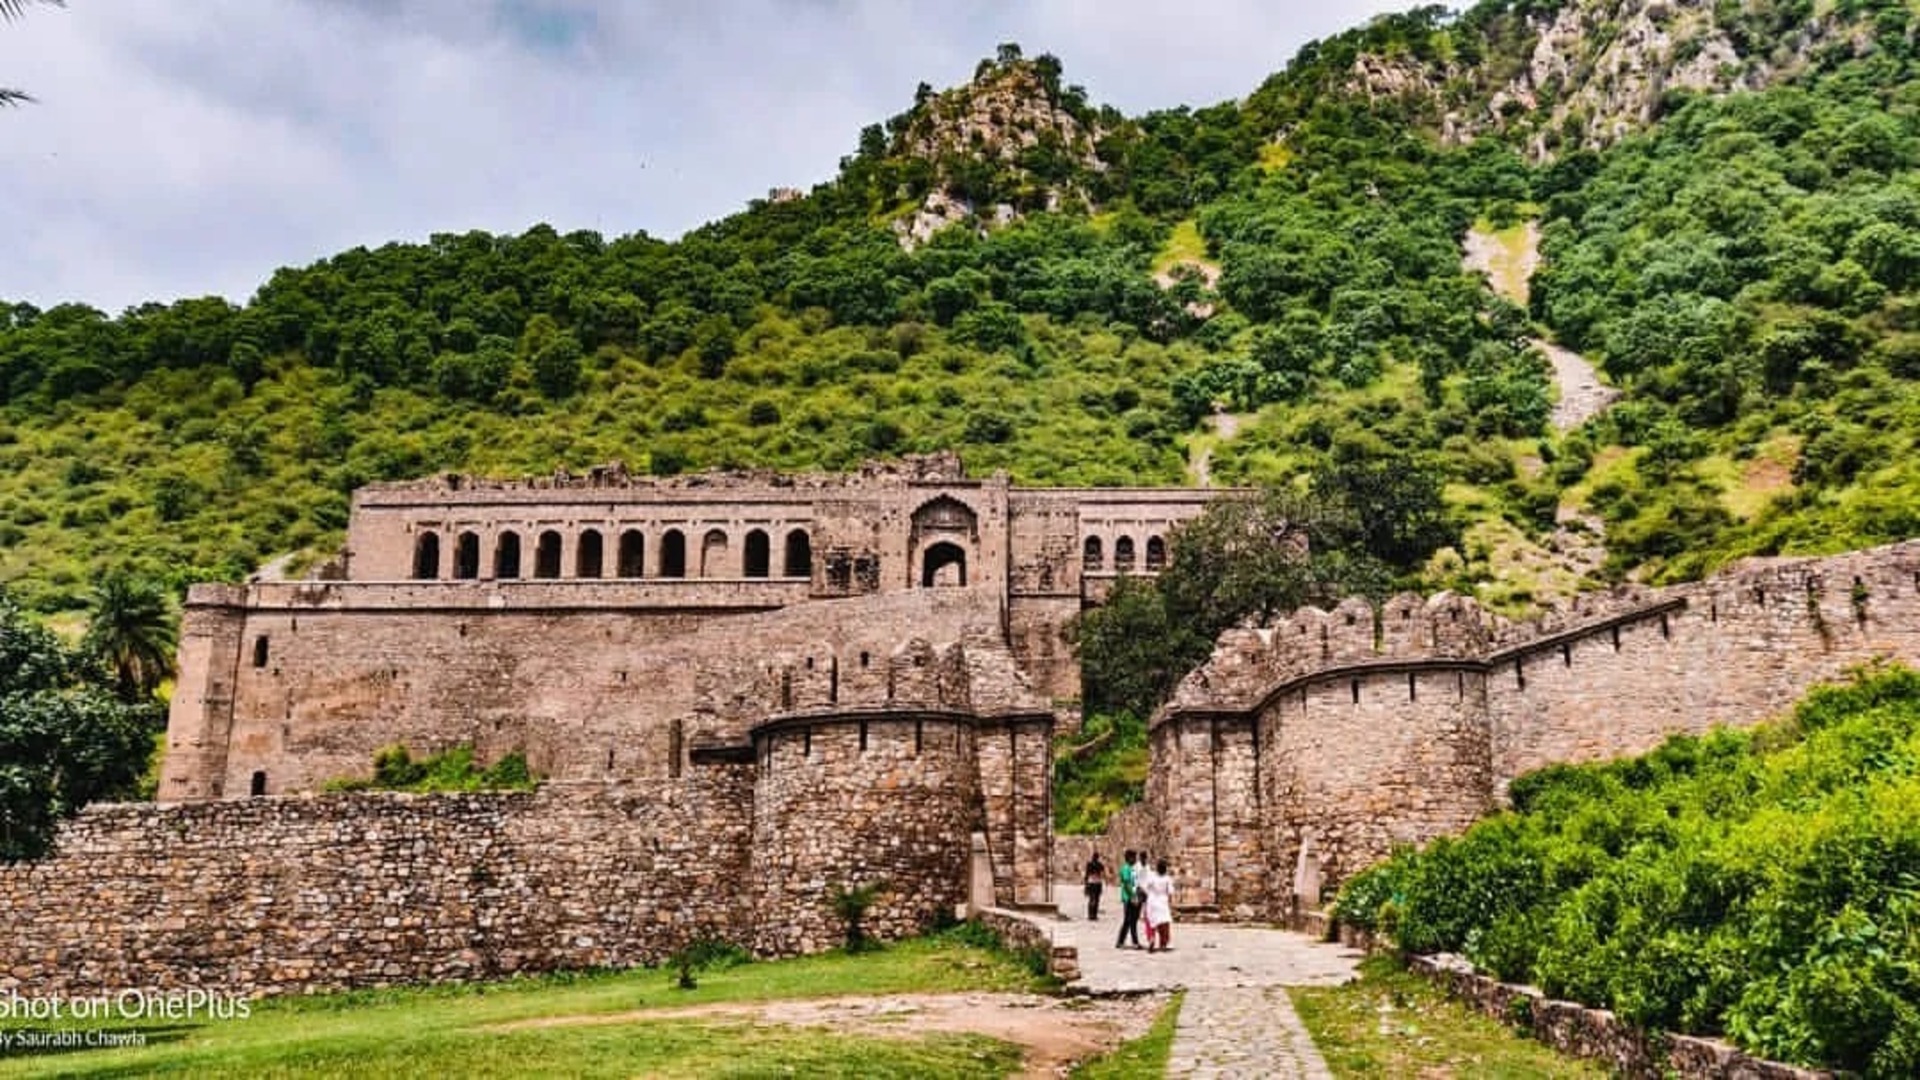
(1058,290)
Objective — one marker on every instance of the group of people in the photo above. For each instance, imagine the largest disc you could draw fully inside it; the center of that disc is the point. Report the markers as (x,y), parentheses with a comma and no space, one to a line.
(1146,896)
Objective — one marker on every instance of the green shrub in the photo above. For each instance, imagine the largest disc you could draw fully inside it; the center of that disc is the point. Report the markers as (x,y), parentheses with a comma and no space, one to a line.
(395,769)
(1764,885)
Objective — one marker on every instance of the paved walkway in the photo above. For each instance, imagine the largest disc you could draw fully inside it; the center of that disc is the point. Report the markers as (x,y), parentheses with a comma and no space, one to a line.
(1237,1020)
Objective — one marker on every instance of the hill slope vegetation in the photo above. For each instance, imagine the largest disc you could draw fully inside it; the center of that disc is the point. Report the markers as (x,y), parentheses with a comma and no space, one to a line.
(1731,242)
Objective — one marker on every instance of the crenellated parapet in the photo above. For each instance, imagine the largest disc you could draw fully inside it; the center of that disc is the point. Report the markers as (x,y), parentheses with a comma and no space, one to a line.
(1315,745)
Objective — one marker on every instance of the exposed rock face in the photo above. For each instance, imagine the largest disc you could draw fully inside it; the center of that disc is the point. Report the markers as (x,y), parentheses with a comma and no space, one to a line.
(1013,132)
(1594,72)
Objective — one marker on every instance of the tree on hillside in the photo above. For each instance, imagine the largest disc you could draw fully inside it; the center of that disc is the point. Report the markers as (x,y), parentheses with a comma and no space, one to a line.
(1247,559)
(133,633)
(64,742)
(9,11)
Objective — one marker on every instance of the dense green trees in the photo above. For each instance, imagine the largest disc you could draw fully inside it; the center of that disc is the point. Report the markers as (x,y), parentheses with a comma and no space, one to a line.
(1743,271)
(1253,558)
(1758,885)
(65,739)
(133,632)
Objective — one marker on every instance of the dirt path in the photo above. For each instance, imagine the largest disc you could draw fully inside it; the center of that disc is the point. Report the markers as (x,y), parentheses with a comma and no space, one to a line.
(1053,1033)
(1582,395)
(1225,426)
(1509,265)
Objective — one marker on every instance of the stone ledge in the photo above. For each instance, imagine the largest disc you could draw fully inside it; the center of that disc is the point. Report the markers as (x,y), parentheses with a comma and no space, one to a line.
(1599,1034)
(1021,930)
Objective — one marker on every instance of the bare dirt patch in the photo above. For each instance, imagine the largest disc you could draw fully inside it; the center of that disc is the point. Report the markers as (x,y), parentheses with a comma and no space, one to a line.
(1053,1033)
(1508,258)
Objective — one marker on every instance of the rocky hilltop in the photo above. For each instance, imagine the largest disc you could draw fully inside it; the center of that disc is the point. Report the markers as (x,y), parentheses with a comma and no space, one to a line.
(1584,74)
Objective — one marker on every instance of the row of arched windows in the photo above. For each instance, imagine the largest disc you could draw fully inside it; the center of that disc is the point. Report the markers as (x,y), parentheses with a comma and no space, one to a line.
(1093,555)
(627,559)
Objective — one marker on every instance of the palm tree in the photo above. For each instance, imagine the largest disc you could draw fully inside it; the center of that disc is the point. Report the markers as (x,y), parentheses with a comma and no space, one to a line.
(9,11)
(133,632)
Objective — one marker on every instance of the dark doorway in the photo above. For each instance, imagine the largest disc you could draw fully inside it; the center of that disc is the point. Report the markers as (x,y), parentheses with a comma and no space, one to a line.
(799,562)
(590,558)
(259,785)
(944,566)
(466,556)
(758,555)
(546,556)
(633,554)
(673,554)
(426,557)
(506,556)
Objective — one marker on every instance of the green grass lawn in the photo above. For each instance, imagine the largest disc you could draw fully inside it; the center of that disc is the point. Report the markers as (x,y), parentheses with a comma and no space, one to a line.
(1391,1022)
(455,1030)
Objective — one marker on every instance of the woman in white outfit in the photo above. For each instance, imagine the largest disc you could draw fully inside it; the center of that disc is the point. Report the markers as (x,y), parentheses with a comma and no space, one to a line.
(1158,889)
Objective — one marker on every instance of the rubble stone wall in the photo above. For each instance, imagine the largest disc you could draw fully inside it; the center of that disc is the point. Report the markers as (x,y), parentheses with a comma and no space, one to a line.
(283,895)
(844,802)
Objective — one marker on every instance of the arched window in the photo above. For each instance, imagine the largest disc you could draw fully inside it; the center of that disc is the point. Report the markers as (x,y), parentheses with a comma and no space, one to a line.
(506,556)
(633,553)
(713,554)
(1156,554)
(1123,555)
(799,561)
(758,556)
(589,558)
(1093,558)
(944,565)
(673,554)
(466,556)
(426,556)
(546,555)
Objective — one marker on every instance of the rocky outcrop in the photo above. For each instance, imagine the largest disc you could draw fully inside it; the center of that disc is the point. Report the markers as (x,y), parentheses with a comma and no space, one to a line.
(1593,72)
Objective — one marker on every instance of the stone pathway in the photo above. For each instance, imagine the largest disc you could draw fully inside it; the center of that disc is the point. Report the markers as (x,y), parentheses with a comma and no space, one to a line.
(1243,1032)
(1237,1020)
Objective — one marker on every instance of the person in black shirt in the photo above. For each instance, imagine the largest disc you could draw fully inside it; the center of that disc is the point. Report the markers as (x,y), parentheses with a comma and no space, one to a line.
(1096,880)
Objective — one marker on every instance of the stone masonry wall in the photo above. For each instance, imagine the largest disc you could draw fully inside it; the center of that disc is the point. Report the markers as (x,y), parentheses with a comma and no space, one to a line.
(1376,728)
(586,693)
(849,801)
(285,895)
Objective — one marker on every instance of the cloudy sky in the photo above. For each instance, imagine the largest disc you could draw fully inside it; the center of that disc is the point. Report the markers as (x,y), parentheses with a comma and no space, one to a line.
(188,147)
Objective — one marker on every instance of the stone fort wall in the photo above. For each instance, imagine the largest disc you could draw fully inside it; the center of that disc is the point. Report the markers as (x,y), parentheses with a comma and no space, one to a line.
(1302,753)
(282,895)
(310,680)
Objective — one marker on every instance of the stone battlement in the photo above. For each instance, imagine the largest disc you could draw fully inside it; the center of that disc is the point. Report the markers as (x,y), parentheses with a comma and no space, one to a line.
(1316,745)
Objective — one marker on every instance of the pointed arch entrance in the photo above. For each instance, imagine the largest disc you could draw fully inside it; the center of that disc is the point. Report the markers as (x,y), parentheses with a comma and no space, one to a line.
(946,538)
(944,565)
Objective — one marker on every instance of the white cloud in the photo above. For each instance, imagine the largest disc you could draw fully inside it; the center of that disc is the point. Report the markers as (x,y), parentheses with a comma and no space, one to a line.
(186,149)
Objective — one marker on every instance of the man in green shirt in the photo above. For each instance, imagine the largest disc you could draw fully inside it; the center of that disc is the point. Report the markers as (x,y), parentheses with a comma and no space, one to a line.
(1129,904)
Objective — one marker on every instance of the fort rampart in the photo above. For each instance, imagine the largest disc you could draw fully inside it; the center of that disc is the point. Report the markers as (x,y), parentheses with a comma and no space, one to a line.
(1302,752)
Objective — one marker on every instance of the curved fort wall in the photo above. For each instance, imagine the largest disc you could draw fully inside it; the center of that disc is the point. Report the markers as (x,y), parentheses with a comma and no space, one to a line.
(1302,753)
(831,812)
